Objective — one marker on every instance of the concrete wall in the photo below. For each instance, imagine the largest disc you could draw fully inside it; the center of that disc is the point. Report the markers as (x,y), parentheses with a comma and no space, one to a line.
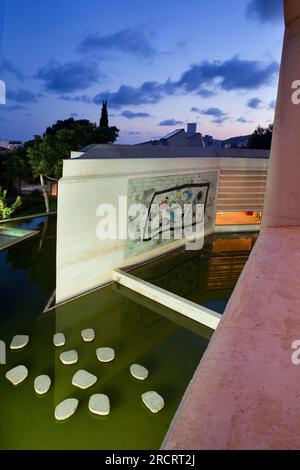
(283,196)
(83,260)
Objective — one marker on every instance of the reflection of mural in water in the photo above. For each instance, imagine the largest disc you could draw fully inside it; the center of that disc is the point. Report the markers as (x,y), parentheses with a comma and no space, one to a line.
(163,196)
(170,206)
(210,274)
(227,260)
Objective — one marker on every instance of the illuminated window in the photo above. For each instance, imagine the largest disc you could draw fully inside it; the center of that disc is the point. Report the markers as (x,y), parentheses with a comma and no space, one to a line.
(238,218)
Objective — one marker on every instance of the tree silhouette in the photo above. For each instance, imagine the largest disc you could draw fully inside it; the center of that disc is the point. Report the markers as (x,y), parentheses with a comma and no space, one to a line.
(261,138)
(104,122)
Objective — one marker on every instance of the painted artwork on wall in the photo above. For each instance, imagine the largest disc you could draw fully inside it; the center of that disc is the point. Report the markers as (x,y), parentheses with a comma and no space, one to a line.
(171,205)
(164,197)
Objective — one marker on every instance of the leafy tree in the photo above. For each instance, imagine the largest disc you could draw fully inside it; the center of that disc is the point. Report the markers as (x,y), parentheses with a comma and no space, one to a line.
(106,135)
(261,138)
(3,168)
(46,154)
(70,124)
(5,211)
(104,122)
(17,166)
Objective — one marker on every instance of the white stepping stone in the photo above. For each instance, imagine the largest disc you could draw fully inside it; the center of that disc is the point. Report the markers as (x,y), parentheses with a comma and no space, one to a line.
(88,335)
(153,401)
(69,357)
(17,375)
(83,379)
(59,340)
(19,342)
(42,384)
(105,354)
(99,404)
(66,409)
(139,372)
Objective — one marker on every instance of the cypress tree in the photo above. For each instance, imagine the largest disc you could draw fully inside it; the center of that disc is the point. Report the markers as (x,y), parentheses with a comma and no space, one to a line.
(104,115)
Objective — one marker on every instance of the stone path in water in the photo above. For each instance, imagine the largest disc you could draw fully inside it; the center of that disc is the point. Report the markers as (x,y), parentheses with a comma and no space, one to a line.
(105,354)
(153,401)
(84,379)
(69,357)
(19,342)
(88,335)
(99,404)
(59,340)
(139,372)
(42,384)
(66,409)
(17,375)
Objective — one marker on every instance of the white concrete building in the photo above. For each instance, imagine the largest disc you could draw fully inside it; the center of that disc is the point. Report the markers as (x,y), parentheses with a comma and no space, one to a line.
(180,137)
(10,144)
(228,181)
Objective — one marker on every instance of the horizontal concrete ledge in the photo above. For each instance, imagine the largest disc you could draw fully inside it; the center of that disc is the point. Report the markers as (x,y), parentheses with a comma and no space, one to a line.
(102,151)
(27,217)
(187,308)
(237,228)
(245,393)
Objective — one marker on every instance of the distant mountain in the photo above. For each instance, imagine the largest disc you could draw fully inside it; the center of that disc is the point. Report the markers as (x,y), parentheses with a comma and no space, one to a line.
(238,141)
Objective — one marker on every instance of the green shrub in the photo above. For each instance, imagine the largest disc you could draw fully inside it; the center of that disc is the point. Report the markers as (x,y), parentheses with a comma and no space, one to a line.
(5,210)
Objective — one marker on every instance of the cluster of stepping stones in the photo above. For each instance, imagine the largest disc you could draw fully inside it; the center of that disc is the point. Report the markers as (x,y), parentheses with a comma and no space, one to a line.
(99,404)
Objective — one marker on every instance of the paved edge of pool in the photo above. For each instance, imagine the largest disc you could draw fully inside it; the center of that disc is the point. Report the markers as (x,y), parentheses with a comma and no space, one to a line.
(245,392)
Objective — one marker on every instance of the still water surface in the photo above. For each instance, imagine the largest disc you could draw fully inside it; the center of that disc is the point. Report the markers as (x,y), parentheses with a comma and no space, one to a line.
(139,331)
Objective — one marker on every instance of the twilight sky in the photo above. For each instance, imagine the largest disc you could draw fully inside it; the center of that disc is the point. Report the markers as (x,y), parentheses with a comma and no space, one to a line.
(160,64)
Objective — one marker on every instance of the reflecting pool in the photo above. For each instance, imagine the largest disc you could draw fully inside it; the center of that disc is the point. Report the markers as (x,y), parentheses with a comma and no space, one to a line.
(139,330)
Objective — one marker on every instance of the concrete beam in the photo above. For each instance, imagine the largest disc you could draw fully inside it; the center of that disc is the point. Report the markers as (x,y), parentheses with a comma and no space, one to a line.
(191,310)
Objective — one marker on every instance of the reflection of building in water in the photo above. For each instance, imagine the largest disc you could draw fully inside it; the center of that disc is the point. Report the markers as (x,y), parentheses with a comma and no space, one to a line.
(204,276)
(227,260)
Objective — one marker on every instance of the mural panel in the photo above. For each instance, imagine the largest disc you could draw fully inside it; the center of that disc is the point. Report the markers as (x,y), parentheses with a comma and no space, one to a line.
(168,203)
(163,196)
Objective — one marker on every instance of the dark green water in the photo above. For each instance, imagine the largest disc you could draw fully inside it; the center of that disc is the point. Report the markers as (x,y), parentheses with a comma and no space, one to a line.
(138,330)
